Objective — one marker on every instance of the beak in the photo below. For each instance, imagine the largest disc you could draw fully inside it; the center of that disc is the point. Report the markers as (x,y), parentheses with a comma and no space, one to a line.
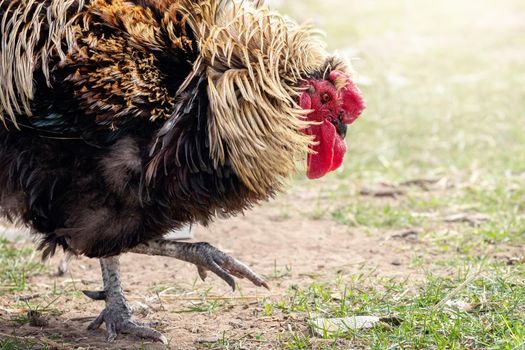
(340,127)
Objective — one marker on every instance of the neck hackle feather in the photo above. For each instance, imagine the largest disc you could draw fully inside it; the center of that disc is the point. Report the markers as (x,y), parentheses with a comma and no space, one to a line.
(254,60)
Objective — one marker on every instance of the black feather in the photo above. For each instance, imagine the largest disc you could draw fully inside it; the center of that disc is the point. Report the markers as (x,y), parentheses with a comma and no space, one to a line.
(93,175)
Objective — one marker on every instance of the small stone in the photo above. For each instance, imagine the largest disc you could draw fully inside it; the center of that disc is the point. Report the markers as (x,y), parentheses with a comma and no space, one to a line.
(208,340)
(382,191)
(322,326)
(407,235)
(459,305)
(333,325)
(236,324)
(475,219)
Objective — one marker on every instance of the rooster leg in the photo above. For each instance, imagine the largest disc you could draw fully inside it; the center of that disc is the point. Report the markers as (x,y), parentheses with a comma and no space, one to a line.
(205,256)
(117,314)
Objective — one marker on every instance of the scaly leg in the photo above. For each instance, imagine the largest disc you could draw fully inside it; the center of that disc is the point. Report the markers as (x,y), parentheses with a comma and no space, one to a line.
(117,314)
(205,256)
(202,254)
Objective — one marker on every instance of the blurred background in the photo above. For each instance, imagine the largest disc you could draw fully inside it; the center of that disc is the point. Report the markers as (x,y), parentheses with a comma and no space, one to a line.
(445,87)
(424,225)
(437,161)
(444,83)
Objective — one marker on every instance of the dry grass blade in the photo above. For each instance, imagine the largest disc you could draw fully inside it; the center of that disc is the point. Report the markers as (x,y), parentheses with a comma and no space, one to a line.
(472,276)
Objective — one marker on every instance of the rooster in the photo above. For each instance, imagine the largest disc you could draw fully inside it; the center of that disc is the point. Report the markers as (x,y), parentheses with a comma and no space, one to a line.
(126,119)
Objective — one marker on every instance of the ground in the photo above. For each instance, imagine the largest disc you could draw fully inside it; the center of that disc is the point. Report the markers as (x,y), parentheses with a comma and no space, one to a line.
(424,226)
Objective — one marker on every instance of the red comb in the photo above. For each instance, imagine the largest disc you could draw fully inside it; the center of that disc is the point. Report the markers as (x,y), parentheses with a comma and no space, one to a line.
(353,101)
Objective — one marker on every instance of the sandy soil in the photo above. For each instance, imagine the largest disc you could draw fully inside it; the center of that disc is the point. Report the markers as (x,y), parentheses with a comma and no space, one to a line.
(264,239)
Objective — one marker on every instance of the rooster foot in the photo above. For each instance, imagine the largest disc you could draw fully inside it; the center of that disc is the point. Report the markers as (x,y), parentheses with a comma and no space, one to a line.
(118,321)
(205,256)
(117,313)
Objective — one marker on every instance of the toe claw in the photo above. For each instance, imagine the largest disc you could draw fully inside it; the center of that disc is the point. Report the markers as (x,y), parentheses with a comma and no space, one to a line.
(216,269)
(97,322)
(111,338)
(237,268)
(163,339)
(202,272)
(112,332)
(95,295)
(144,332)
(224,266)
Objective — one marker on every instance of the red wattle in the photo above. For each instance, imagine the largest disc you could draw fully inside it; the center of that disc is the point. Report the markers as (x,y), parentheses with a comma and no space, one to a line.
(339,152)
(330,150)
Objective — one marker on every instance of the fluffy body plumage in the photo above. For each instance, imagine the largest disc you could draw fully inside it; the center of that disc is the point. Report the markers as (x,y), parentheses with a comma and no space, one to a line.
(127,119)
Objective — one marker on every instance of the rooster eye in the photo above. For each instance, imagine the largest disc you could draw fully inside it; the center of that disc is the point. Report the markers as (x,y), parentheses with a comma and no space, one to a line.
(325,98)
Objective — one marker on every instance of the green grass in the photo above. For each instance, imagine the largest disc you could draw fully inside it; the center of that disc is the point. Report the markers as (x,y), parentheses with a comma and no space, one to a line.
(17,266)
(479,306)
(444,85)
(12,344)
(492,320)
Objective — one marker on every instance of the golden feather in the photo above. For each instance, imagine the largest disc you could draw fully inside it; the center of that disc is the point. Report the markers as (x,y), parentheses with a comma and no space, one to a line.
(255,62)
(20,54)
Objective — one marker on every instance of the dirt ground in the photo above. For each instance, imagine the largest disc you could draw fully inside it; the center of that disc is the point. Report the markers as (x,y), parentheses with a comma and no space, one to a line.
(288,250)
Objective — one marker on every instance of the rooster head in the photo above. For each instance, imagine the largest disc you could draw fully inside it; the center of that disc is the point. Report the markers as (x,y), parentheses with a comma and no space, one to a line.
(335,102)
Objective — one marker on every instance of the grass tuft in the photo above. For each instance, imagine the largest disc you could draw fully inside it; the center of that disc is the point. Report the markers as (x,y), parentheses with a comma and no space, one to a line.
(17,265)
